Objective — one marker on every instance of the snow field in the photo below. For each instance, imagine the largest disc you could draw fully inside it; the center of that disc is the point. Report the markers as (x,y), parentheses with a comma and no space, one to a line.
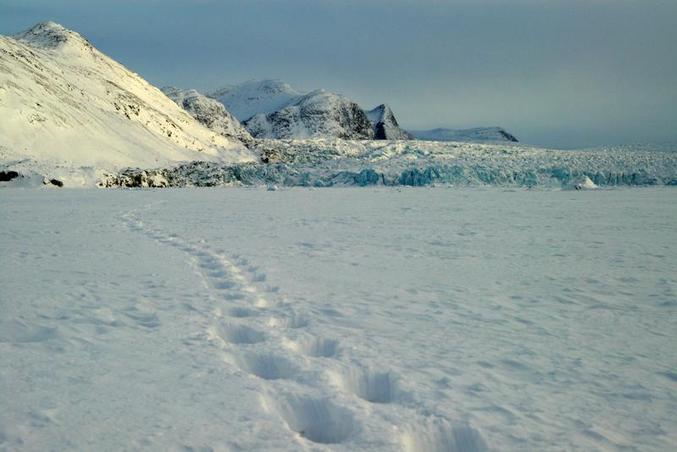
(343,319)
(286,352)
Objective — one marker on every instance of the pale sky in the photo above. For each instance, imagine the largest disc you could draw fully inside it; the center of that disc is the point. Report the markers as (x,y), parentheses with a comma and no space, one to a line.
(560,73)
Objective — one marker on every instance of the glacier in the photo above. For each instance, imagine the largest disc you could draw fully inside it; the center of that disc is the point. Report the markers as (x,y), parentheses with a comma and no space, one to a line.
(327,163)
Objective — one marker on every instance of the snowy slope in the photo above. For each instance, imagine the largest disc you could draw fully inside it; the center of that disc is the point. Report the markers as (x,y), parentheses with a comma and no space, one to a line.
(477,134)
(385,124)
(319,114)
(209,112)
(258,96)
(64,102)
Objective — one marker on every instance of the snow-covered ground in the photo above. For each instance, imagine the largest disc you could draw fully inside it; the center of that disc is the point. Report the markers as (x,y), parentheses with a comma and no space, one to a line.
(344,319)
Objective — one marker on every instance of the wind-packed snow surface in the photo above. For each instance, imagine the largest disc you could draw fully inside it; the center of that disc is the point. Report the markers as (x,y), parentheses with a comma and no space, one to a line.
(373,319)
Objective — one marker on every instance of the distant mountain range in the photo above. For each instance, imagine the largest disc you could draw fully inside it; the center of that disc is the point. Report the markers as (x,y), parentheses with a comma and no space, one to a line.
(63,101)
(275,110)
(478,134)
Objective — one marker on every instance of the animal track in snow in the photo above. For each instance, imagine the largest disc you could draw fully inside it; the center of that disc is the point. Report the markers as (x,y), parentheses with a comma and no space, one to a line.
(241,312)
(291,320)
(439,435)
(268,366)
(240,334)
(317,347)
(227,280)
(316,419)
(369,385)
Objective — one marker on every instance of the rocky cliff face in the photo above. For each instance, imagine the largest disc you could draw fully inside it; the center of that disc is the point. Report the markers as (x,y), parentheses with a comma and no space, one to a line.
(210,113)
(319,114)
(385,125)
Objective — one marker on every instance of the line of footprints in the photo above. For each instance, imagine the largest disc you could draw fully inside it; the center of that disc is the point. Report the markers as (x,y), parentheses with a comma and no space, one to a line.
(283,350)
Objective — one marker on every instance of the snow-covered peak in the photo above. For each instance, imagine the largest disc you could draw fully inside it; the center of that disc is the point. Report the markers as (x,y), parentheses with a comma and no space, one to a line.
(255,96)
(63,101)
(321,98)
(50,35)
(386,126)
(318,114)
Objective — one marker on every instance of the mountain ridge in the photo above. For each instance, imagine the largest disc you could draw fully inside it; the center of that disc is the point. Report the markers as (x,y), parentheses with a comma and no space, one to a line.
(476,134)
(62,100)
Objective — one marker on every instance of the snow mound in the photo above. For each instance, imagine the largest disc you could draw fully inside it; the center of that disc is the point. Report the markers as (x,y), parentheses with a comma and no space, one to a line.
(62,102)
(314,115)
(210,113)
(478,134)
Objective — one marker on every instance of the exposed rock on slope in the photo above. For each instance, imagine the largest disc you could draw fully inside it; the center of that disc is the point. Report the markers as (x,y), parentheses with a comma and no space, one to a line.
(385,124)
(319,114)
(209,112)
(479,134)
(273,109)
(61,100)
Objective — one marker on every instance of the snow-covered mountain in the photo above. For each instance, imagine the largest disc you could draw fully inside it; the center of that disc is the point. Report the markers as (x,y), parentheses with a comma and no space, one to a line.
(209,112)
(61,100)
(479,134)
(258,96)
(273,109)
(385,124)
(319,114)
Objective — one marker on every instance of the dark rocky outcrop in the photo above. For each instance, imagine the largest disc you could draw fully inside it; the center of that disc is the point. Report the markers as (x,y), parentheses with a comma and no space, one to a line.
(385,125)
(6,176)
